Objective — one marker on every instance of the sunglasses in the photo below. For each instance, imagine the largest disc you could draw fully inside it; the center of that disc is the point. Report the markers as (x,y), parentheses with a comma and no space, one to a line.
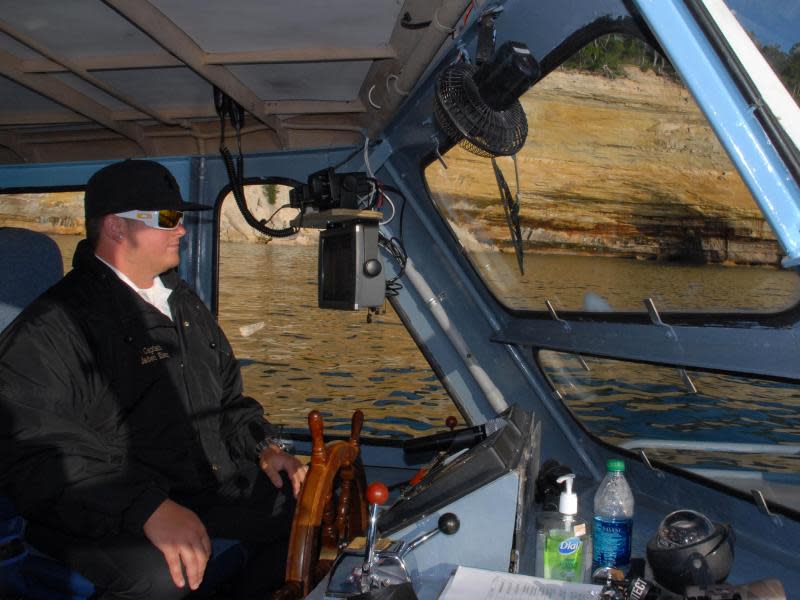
(157,219)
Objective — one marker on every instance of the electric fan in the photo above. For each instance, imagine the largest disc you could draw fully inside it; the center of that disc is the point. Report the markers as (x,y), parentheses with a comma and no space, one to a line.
(478,106)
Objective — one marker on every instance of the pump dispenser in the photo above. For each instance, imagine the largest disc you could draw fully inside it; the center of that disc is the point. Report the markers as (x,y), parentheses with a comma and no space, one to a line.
(568,500)
(563,545)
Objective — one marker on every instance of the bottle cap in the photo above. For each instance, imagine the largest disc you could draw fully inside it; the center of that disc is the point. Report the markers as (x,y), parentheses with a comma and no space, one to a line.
(568,500)
(615,465)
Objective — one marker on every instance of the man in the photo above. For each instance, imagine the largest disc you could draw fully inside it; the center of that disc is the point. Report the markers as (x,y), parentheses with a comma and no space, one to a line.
(125,438)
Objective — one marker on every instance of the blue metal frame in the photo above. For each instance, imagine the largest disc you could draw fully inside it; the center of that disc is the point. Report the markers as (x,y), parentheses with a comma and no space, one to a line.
(733,120)
(747,348)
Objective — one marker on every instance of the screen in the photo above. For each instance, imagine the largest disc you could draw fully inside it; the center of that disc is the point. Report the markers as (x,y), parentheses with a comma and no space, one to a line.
(337,264)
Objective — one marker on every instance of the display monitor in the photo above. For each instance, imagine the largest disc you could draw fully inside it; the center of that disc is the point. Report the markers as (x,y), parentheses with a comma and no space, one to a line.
(350,273)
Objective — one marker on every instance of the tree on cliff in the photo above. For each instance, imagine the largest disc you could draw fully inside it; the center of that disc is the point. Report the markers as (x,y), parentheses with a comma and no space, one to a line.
(790,73)
(610,54)
(785,64)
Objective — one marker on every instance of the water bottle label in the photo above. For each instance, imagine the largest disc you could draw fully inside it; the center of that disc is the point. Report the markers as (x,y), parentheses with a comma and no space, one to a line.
(611,539)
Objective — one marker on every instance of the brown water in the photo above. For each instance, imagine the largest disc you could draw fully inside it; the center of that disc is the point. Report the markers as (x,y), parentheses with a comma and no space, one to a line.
(301,358)
(305,358)
(575,282)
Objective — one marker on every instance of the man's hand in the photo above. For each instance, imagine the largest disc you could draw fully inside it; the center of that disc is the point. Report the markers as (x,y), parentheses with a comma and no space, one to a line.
(182,539)
(273,460)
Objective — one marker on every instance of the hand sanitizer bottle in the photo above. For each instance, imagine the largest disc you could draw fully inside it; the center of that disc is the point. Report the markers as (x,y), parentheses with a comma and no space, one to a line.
(563,545)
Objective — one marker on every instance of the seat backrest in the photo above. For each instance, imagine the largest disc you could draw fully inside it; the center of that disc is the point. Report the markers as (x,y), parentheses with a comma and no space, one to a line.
(30,262)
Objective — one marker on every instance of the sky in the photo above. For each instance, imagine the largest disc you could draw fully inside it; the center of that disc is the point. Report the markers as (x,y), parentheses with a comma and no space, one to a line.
(774,22)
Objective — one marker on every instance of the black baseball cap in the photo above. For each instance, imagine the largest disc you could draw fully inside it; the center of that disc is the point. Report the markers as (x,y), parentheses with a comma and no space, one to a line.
(134,185)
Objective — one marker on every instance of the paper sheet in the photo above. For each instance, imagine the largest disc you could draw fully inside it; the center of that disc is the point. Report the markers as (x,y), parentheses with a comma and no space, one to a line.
(477,584)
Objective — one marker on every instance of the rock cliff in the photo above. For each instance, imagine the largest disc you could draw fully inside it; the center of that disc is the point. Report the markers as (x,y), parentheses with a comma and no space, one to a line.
(62,213)
(621,167)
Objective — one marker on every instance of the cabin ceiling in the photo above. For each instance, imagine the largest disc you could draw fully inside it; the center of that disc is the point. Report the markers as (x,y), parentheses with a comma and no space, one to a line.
(92,79)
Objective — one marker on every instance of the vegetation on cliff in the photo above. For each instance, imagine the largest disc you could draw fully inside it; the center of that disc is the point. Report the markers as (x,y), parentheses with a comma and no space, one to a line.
(787,66)
(612,54)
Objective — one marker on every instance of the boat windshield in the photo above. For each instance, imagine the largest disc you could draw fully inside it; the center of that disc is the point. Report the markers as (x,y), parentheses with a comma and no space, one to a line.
(621,197)
(623,193)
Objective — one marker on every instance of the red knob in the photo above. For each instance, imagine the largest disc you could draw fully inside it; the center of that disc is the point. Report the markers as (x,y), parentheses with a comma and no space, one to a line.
(451,422)
(418,476)
(377,493)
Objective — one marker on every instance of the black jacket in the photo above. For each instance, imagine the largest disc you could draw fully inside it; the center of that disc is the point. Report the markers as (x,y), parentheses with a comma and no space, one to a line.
(107,407)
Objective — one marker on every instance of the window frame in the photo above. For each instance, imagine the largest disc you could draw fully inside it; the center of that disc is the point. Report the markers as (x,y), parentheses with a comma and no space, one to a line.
(736,343)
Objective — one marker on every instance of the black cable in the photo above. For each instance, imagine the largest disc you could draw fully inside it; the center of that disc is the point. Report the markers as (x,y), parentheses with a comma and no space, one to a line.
(222,104)
(395,249)
(347,158)
(377,192)
(354,153)
(269,220)
(226,107)
(393,288)
(238,195)
(406,23)
(394,246)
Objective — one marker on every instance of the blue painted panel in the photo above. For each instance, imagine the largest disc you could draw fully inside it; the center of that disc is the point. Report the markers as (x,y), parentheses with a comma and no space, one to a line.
(484,538)
(48,175)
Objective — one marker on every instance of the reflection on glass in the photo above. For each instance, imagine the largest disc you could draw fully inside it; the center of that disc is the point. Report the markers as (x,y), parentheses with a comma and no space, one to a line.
(774,25)
(620,401)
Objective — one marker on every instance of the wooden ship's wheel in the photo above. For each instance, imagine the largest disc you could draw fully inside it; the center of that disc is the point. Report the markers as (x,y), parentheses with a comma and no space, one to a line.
(326,518)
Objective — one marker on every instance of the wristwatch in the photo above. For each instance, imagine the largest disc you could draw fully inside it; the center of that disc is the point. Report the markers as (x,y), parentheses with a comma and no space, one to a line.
(270,440)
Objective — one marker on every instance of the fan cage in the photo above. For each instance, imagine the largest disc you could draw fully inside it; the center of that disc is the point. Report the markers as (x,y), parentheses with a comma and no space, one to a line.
(466,118)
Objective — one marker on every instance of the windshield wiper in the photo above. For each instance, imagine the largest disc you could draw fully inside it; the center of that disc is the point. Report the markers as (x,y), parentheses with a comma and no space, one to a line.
(511,208)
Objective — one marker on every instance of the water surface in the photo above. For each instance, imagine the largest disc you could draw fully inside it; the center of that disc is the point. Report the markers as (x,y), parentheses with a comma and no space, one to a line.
(296,357)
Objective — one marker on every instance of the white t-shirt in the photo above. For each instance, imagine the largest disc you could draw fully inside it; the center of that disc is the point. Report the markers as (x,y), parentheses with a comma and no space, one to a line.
(157,294)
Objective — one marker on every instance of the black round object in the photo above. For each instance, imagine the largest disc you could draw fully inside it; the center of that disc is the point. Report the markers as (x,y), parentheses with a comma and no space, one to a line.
(478,106)
(448,523)
(688,549)
(466,117)
(372,267)
(507,75)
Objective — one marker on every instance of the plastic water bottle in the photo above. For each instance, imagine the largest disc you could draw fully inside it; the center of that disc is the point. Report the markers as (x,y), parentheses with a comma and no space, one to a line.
(613,519)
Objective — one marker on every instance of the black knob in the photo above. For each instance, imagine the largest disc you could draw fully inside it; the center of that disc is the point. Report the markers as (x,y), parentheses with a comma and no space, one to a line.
(449,523)
(372,267)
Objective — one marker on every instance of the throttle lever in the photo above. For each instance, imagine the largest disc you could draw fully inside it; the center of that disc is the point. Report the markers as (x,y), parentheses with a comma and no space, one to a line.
(377,494)
(448,524)
(360,570)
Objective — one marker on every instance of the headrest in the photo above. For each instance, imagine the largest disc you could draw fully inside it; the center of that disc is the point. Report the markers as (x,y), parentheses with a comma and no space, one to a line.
(30,262)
